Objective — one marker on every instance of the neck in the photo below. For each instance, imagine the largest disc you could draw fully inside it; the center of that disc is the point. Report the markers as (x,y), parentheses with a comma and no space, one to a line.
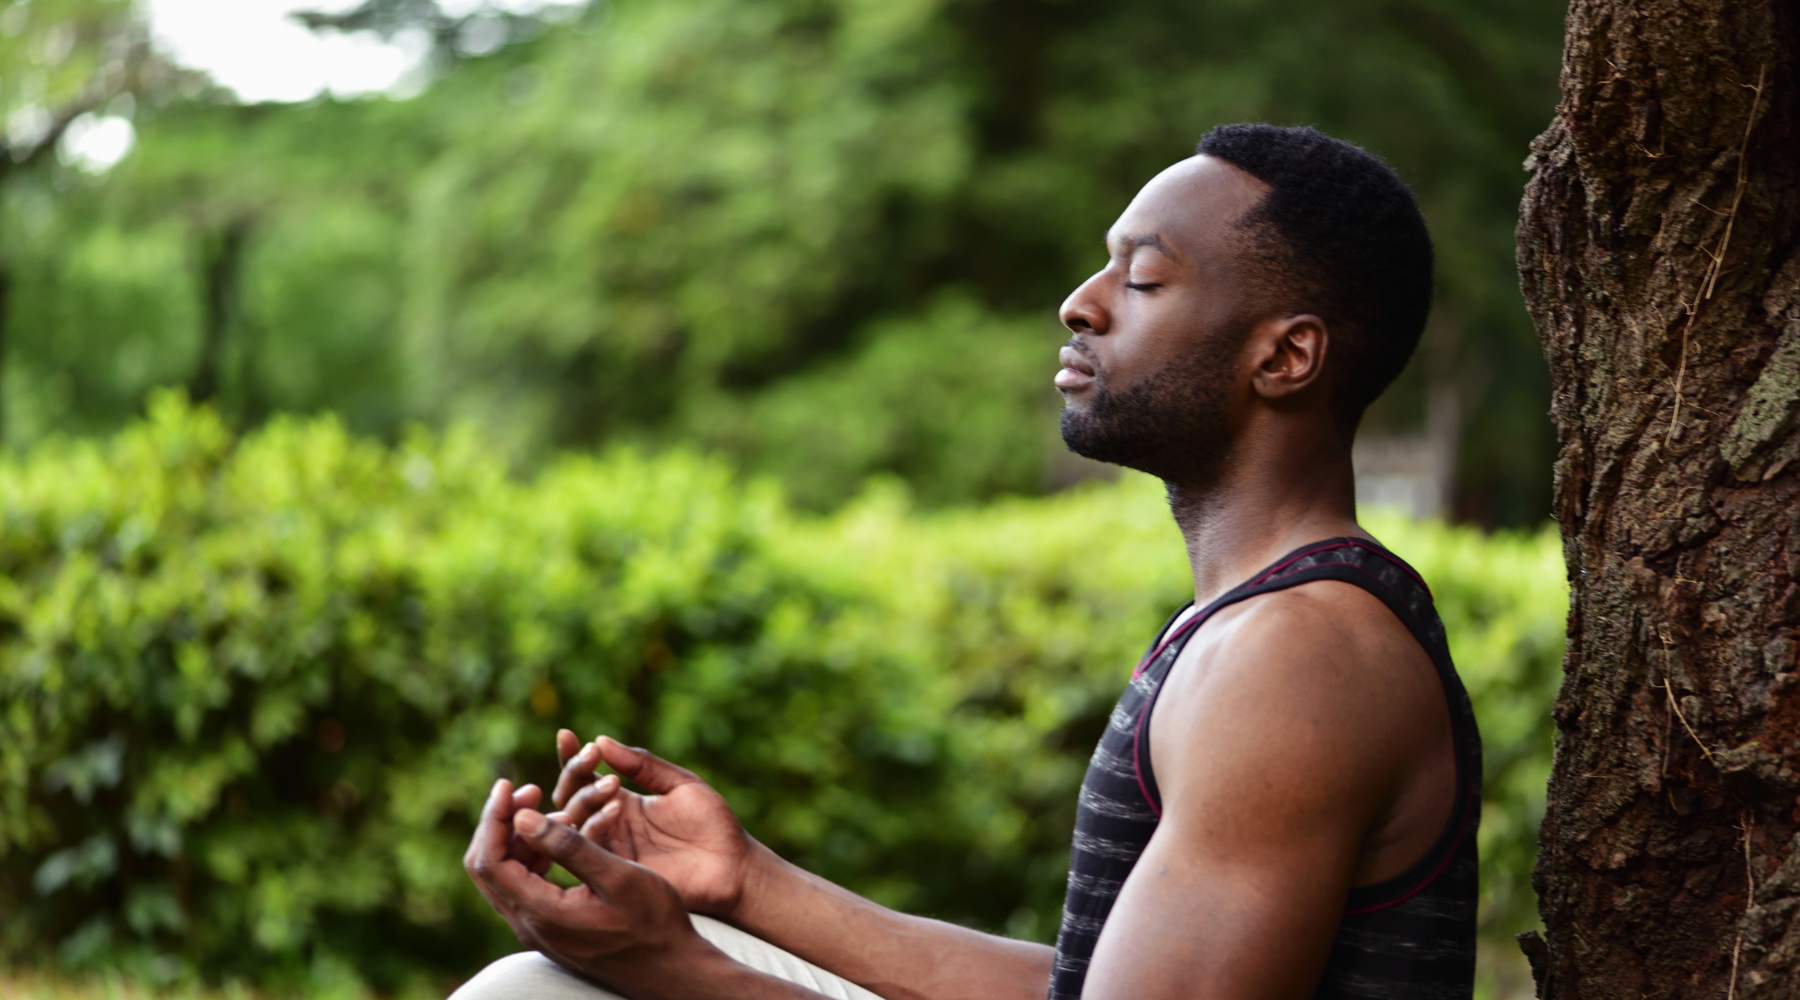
(1255,512)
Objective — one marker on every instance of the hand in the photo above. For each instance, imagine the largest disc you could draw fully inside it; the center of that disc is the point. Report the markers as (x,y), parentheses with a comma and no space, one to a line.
(517,847)
(624,925)
(684,832)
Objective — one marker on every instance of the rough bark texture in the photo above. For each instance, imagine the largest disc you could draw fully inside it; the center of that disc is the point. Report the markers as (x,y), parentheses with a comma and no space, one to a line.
(1657,250)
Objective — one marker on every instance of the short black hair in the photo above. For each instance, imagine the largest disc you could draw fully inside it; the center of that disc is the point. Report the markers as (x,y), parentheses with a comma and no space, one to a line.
(1345,239)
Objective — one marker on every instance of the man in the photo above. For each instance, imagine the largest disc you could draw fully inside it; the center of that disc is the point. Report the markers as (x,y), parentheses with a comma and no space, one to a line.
(1284,803)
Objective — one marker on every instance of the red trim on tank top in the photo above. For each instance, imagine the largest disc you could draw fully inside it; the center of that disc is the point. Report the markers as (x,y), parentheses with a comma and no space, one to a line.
(1463,831)
(1375,578)
(1353,543)
(1174,634)
(1137,739)
(1404,568)
(1296,557)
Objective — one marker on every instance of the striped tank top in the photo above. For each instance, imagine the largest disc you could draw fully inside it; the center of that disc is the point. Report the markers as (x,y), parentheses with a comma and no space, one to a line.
(1410,937)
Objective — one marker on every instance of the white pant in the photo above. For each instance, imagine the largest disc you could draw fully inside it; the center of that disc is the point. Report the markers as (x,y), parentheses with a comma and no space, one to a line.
(528,975)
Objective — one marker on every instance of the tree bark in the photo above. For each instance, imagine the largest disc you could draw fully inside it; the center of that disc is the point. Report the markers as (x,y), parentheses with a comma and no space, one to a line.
(1657,253)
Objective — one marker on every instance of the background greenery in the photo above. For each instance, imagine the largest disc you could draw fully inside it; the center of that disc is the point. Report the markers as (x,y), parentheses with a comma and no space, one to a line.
(824,238)
(254,690)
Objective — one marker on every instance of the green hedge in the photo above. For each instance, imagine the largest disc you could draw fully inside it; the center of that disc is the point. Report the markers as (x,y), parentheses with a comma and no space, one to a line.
(251,691)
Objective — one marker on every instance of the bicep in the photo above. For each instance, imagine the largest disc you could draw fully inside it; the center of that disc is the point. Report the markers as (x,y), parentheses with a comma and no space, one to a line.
(1199,924)
(1269,788)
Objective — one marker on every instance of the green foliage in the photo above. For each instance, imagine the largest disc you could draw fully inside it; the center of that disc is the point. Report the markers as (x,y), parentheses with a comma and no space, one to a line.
(913,404)
(55,59)
(252,690)
(673,219)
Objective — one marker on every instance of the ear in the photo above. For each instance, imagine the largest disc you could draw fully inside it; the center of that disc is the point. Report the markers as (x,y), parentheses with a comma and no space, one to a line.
(1291,353)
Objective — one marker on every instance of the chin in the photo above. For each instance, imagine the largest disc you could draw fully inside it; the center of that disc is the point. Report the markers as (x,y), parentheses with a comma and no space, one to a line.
(1190,455)
(1091,438)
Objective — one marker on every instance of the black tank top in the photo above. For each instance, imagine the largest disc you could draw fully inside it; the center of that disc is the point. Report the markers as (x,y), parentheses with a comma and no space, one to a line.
(1410,937)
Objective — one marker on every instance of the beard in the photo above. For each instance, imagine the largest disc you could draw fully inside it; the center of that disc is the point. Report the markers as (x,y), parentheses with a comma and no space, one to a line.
(1173,423)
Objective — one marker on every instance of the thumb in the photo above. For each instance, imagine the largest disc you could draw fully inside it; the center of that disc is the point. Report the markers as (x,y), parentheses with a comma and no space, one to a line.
(651,772)
(597,868)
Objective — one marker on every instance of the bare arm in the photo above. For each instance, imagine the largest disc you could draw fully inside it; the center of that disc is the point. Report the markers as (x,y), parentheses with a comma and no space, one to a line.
(899,956)
(1288,747)
(687,833)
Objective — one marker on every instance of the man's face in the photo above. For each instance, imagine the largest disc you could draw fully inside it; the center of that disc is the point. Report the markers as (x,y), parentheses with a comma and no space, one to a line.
(1150,375)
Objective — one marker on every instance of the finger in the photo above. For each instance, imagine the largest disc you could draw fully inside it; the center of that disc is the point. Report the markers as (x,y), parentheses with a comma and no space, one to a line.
(567,745)
(577,772)
(588,801)
(488,846)
(493,828)
(519,893)
(601,827)
(647,769)
(525,797)
(519,849)
(599,869)
(506,881)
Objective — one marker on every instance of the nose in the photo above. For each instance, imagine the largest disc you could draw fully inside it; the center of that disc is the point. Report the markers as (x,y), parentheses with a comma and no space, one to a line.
(1083,311)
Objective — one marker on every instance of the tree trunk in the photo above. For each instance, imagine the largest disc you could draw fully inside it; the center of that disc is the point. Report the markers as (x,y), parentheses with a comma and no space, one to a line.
(219,286)
(1657,251)
(6,283)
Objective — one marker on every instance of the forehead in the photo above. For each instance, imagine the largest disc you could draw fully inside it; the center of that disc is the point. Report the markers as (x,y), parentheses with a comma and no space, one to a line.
(1187,210)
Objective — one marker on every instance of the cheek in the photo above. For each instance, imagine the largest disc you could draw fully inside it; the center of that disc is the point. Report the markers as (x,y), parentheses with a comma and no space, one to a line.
(1157,329)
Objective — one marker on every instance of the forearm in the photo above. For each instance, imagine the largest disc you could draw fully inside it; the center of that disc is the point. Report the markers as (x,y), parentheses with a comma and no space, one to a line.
(898,956)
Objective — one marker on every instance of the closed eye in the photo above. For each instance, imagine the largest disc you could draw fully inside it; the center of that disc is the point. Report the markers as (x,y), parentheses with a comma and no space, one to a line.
(1139,286)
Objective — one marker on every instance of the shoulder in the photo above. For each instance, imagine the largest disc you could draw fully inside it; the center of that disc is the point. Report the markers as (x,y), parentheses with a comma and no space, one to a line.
(1317,687)
(1324,640)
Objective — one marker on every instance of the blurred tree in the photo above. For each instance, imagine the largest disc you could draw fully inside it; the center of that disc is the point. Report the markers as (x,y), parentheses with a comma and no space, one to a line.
(454,34)
(222,271)
(60,61)
(131,284)
(827,236)
(761,181)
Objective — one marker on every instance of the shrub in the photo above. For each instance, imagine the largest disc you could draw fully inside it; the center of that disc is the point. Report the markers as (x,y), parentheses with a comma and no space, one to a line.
(252,691)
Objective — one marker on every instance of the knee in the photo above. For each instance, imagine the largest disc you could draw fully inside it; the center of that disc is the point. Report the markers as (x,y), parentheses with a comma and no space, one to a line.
(528,975)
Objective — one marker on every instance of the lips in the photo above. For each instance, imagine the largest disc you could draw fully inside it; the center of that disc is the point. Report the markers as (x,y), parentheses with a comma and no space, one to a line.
(1077,371)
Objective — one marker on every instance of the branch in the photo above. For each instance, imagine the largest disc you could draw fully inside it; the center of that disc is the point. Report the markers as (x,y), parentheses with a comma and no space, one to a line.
(384,17)
(1711,276)
(388,18)
(102,89)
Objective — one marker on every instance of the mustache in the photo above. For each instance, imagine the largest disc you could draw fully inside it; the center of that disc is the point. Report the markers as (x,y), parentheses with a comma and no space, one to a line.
(1079,346)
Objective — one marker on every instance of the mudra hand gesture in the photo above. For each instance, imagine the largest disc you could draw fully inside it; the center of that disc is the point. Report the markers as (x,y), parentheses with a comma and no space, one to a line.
(683,830)
(643,863)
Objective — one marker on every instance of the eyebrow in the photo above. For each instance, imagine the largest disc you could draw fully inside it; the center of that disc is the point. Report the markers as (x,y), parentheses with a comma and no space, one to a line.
(1152,241)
